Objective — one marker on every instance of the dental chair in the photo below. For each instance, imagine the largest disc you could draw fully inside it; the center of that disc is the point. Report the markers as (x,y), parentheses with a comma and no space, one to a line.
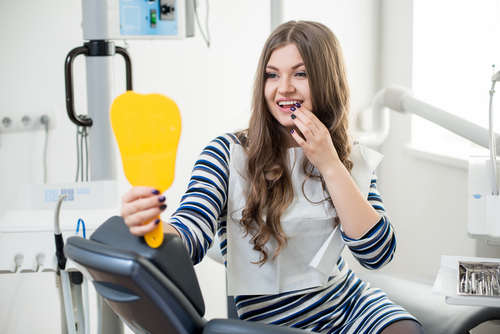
(156,290)
(151,290)
(435,316)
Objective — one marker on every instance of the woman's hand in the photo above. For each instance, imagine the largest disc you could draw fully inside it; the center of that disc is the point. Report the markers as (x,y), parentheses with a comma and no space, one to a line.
(318,146)
(356,214)
(141,205)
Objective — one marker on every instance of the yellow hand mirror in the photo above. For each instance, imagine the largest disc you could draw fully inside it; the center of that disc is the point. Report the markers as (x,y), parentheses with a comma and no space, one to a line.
(147,129)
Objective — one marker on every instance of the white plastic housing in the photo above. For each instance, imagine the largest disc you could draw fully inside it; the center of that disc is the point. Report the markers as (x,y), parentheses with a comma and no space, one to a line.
(483,207)
(81,195)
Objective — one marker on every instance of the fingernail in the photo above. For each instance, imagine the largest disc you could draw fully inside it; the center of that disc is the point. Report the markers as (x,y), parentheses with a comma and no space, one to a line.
(161,199)
(293,116)
(157,222)
(298,105)
(292,131)
(163,207)
(293,108)
(156,192)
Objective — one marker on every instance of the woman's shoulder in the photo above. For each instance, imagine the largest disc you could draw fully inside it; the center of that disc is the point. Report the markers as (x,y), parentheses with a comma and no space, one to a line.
(229,138)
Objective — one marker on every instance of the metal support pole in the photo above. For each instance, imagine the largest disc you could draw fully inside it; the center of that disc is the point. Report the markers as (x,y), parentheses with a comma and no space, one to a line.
(100,83)
(277,13)
(109,322)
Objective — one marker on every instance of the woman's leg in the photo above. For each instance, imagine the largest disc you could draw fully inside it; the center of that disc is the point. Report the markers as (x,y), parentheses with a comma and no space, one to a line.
(403,327)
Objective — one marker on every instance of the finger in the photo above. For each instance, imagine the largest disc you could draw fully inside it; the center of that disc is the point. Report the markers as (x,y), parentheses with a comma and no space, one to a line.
(304,129)
(309,114)
(307,121)
(142,204)
(142,230)
(297,137)
(138,192)
(142,217)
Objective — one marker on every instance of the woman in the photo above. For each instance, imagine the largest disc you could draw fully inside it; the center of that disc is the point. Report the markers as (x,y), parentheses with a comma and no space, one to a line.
(285,195)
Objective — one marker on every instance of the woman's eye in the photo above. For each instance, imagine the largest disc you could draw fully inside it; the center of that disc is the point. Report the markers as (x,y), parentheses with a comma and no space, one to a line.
(301,74)
(271,75)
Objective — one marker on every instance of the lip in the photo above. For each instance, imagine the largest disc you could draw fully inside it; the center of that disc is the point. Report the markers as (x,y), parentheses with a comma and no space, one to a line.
(287,108)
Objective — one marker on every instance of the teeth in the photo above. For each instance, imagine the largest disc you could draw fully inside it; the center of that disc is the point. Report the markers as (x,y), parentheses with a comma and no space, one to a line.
(285,103)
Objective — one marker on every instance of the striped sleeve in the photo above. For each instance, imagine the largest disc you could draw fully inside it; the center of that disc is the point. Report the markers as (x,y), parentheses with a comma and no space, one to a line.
(376,247)
(205,200)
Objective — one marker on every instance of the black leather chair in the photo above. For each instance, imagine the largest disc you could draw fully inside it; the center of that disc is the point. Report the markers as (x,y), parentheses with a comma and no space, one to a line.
(151,290)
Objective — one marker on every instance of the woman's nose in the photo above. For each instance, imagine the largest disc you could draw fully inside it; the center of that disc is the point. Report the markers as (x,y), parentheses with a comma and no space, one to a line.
(286,87)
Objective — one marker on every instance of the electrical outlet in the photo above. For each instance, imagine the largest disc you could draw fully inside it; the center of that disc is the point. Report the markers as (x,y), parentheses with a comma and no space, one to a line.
(25,120)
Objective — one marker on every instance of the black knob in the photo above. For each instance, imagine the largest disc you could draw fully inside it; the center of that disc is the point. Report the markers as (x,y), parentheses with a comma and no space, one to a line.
(166,9)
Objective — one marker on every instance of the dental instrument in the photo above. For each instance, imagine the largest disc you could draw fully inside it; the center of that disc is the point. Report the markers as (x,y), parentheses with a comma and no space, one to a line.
(61,260)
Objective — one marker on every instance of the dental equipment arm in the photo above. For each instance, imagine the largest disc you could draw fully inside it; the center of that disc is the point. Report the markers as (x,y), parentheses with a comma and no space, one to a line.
(483,199)
(401,99)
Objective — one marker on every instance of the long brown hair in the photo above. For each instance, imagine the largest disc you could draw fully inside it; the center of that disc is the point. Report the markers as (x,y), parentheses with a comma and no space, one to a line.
(265,140)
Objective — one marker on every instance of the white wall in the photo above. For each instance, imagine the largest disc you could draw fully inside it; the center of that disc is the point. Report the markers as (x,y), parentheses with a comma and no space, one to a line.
(212,88)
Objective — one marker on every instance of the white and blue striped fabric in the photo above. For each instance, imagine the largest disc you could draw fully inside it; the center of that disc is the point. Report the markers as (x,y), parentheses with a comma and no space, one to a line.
(345,305)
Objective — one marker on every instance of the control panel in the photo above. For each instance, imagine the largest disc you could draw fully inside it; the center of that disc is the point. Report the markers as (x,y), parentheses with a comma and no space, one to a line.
(148,17)
(137,19)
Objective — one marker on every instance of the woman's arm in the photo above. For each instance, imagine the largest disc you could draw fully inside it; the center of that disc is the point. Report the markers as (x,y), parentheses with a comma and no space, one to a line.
(205,199)
(195,221)
(376,247)
(356,215)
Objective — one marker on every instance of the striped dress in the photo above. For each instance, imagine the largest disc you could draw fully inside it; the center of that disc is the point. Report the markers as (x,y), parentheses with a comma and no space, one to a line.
(345,305)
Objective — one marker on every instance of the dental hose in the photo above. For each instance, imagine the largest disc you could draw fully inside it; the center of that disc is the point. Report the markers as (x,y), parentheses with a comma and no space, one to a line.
(85,287)
(492,138)
(86,308)
(68,302)
(61,262)
(77,280)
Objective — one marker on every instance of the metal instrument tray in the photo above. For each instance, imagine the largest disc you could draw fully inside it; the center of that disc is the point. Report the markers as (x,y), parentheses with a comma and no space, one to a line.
(479,279)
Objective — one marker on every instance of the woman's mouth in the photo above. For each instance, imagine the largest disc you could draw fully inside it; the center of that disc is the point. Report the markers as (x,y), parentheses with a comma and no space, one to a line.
(285,105)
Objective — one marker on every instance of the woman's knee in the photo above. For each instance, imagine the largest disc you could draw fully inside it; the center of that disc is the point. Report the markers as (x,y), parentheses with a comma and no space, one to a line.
(403,327)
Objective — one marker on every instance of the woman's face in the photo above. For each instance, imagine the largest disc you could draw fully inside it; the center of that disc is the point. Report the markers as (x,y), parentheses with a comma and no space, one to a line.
(286,83)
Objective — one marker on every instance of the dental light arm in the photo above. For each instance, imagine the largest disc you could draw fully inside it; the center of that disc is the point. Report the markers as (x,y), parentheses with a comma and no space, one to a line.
(483,199)
(401,99)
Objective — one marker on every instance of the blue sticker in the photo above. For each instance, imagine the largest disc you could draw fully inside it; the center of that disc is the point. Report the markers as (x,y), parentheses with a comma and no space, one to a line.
(477,196)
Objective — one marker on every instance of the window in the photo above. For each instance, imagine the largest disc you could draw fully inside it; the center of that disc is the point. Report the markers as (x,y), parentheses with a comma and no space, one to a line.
(455,45)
